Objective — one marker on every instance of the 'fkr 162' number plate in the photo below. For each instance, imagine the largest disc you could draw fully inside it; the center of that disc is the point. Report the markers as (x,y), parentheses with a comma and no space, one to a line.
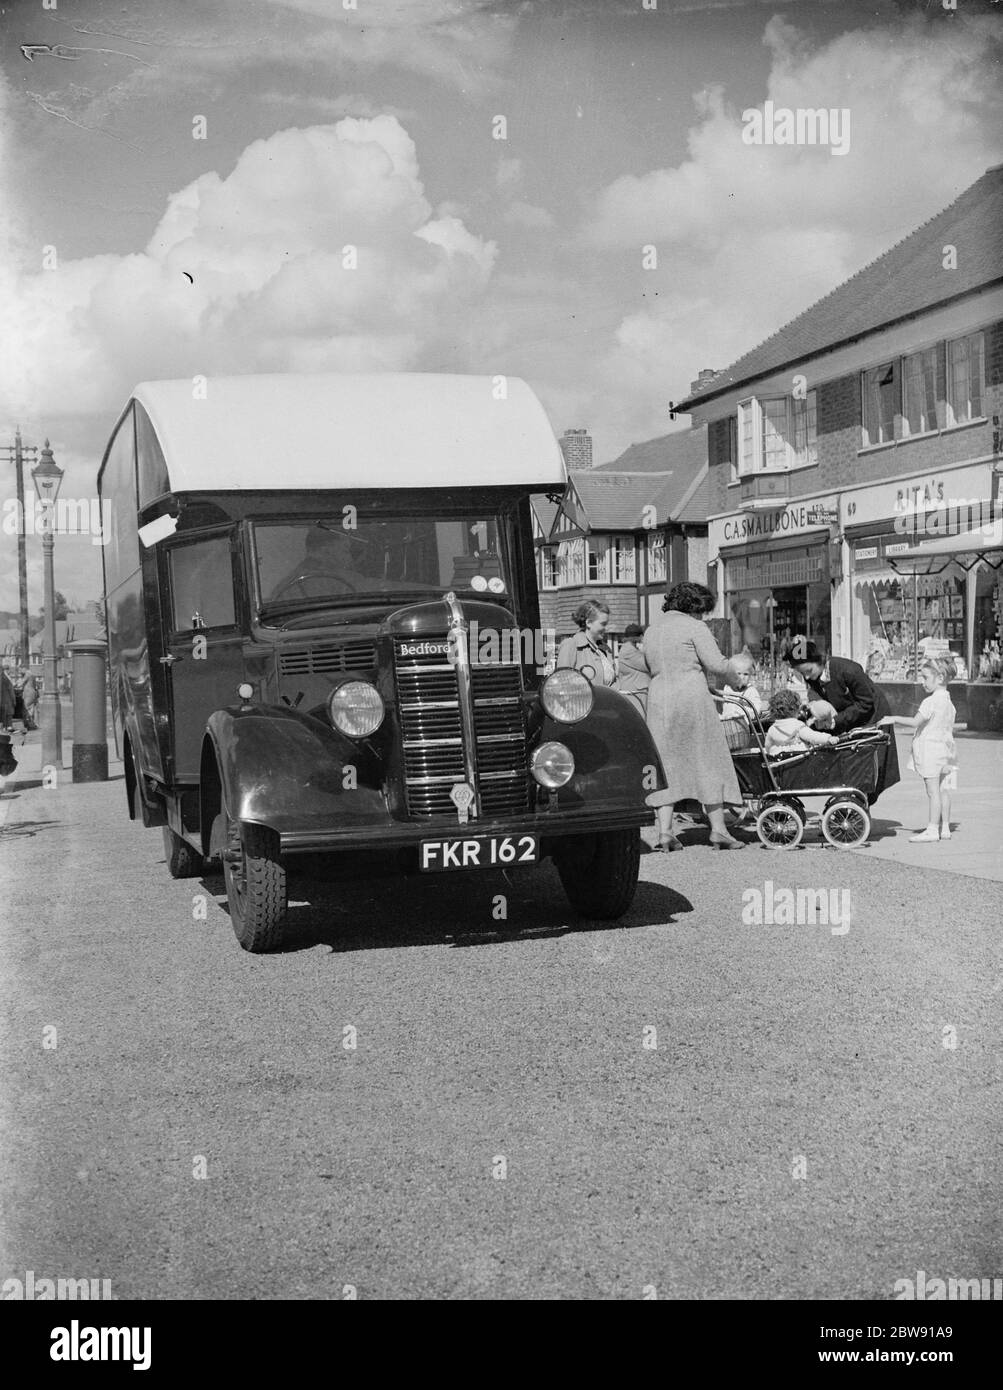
(486,852)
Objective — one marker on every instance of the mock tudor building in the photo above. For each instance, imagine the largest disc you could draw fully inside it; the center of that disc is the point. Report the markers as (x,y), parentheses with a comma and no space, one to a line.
(854,461)
(624,531)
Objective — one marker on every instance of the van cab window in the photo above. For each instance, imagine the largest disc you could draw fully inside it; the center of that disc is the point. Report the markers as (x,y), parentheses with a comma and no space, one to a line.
(202,585)
(321,559)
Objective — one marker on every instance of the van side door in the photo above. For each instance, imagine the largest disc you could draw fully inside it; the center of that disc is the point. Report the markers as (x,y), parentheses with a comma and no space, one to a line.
(204,639)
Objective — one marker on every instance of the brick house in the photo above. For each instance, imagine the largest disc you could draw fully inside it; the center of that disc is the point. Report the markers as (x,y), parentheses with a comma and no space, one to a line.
(855,436)
(624,531)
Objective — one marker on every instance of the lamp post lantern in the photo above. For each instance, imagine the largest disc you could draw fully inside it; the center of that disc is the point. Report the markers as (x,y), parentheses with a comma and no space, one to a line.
(47,476)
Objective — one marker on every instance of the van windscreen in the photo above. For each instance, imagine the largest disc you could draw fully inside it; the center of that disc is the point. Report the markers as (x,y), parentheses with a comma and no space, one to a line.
(306,563)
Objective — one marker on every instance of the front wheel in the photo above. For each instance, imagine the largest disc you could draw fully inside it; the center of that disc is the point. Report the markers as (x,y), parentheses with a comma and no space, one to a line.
(599,872)
(255,887)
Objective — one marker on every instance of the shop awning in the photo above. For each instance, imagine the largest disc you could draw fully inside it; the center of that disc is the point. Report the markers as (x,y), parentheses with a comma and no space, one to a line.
(977,543)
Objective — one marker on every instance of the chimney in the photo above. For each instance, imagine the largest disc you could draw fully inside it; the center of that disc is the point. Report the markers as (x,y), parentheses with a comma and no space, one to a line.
(704,379)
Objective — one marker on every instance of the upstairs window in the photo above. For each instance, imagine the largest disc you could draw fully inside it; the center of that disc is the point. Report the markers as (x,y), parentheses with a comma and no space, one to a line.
(656,557)
(598,560)
(919,382)
(965,378)
(571,563)
(548,567)
(622,559)
(777,433)
(880,389)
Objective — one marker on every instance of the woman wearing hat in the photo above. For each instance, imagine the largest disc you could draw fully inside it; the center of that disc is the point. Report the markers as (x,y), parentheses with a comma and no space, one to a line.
(587,651)
(858,702)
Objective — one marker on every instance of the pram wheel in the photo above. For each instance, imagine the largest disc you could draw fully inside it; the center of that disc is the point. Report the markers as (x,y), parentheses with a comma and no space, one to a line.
(780,826)
(845,824)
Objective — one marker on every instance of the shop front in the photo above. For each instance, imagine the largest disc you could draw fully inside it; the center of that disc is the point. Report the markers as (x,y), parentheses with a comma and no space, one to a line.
(922,575)
(775,577)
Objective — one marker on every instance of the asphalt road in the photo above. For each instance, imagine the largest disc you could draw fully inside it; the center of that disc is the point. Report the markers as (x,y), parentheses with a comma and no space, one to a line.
(804,1126)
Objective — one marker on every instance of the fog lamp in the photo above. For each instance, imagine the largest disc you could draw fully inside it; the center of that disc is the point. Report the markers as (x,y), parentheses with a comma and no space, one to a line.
(566,695)
(356,709)
(552,765)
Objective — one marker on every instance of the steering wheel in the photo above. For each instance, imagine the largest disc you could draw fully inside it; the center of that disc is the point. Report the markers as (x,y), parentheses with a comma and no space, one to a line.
(312,574)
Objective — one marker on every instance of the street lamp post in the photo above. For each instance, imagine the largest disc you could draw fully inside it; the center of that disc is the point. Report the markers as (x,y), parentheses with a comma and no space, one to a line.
(47,476)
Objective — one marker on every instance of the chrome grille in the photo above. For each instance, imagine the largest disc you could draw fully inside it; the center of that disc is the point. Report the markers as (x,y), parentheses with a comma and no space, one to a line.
(428,700)
(332,657)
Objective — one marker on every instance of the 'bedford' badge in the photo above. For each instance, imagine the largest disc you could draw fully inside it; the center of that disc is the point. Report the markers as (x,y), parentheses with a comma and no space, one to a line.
(461,796)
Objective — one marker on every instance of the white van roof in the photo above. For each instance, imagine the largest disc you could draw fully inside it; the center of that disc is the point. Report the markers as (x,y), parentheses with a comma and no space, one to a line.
(252,433)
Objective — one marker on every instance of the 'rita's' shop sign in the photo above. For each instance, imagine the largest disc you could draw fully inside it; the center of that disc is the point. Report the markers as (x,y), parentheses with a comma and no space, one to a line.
(783,521)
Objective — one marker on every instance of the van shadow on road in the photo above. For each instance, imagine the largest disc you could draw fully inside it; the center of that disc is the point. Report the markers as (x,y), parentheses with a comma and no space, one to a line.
(360,914)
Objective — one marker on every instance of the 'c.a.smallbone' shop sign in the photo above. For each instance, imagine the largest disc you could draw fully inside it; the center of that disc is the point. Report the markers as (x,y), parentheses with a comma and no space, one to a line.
(780,521)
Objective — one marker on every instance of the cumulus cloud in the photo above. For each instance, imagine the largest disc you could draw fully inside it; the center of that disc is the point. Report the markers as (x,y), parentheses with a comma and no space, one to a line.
(274,281)
(748,236)
(318,251)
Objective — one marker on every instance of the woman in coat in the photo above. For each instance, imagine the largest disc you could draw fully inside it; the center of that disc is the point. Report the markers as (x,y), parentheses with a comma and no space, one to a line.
(683,718)
(6,701)
(858,702)
(587,651)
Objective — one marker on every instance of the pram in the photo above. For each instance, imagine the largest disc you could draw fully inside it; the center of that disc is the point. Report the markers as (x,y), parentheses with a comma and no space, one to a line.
(846,774)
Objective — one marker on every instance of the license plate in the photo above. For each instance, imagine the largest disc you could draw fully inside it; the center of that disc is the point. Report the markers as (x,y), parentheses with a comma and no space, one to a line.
(481,852)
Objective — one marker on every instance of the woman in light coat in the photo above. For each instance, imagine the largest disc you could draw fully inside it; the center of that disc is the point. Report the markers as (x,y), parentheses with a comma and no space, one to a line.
(683,719)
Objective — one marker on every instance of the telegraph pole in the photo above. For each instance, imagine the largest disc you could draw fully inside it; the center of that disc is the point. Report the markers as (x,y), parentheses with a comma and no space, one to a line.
(18,452)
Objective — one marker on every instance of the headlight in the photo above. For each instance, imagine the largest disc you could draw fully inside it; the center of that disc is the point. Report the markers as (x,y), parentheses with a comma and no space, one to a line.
(356,709)
(566,695)
(552,765)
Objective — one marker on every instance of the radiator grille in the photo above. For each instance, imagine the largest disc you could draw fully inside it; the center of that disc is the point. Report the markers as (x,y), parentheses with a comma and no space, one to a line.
(331,658)
(428,699)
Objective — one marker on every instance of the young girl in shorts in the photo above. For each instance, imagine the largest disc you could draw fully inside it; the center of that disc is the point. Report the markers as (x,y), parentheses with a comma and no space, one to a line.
(933,751)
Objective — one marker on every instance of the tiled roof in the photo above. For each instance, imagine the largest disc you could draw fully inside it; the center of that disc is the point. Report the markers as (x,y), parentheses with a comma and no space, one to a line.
(906,280)
(668,473)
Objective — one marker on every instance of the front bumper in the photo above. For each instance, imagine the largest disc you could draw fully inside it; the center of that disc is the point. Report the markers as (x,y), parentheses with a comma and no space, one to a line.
(548,825)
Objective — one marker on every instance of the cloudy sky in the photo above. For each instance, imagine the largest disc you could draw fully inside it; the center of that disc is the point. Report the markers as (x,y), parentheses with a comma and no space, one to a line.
(129,249)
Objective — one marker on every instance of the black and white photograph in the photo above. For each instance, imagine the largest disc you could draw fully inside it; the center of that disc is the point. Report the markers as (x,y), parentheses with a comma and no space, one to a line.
(501,665)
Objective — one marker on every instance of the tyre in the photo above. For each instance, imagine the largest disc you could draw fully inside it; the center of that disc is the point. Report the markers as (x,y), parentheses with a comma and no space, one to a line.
(845,824)
(255,887)
(780,826)
(599,872)
(182,860)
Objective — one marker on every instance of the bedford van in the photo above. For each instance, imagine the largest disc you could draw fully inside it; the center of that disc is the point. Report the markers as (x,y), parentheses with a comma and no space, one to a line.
(324,637)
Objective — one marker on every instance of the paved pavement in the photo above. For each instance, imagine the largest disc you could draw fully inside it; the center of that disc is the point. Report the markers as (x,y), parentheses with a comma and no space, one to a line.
(815,1114)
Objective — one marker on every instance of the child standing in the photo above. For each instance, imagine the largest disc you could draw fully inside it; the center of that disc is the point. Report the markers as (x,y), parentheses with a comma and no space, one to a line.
(933,751)
(744,668)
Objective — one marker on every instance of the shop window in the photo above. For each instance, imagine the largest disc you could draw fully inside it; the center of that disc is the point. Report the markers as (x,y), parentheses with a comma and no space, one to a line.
(656,557)
(880,390)
(965,378)
(919,385)
(777,433)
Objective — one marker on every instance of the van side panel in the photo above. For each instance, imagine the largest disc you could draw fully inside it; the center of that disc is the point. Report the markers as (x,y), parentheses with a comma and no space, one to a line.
(128,656)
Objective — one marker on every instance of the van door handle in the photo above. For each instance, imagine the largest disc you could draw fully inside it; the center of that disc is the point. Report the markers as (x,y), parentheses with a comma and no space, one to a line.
(170,659)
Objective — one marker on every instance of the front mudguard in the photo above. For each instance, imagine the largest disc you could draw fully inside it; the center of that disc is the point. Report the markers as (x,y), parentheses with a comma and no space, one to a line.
(616,761)
(291,772)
